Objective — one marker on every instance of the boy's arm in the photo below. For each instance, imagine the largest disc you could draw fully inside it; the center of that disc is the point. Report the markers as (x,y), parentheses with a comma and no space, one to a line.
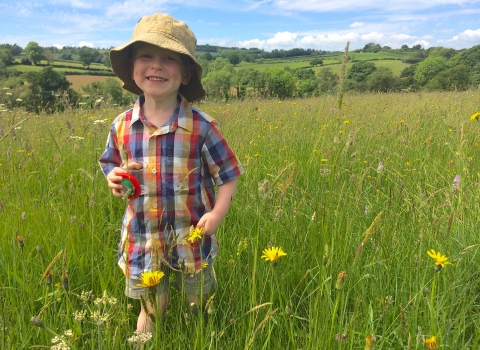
(212,220)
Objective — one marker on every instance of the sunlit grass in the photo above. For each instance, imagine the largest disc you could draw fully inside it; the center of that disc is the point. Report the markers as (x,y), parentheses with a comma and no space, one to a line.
(367,192)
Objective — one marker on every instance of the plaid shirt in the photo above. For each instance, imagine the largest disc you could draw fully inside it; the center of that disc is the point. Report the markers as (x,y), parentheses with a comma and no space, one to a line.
(182,160)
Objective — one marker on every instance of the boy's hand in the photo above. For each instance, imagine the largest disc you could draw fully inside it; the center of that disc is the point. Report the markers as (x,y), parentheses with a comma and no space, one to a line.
(113,180)
(210,222)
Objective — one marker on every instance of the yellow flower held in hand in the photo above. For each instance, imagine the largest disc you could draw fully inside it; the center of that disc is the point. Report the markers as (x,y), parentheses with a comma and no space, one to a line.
(440,260)
(150,278)
(431,342)
(272,254)
(195,234)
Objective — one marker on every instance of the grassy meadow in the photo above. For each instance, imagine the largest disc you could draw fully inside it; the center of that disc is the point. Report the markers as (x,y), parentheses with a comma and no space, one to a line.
(355,197)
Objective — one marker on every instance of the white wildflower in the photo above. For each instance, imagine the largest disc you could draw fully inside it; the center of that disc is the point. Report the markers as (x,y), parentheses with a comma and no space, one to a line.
(79,315)
(100,121)
(140,338)
(86,296)
(456,182)
(380,167)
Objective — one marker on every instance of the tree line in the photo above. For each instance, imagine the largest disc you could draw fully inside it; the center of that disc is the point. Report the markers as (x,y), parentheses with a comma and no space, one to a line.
(436,68)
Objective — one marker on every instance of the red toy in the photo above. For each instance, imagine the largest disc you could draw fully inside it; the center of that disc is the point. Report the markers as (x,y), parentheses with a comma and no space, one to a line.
(131,187)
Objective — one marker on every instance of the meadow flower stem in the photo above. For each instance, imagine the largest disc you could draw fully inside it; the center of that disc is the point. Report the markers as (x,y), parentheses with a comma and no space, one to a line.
(433,315)
(283,307)
(334,315)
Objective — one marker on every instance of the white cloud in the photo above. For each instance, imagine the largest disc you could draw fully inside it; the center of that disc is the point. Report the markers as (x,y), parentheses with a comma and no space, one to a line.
(355,5)
(84,43)
(58,46)
(425,44)
(471,36)
(357,25)
(401,37)
(373,37)
(282,39)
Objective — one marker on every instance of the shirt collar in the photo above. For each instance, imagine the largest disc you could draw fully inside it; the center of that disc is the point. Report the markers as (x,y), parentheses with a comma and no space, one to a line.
(183,119)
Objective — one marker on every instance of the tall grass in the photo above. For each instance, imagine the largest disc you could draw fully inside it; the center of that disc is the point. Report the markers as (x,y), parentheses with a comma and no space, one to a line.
(366,191)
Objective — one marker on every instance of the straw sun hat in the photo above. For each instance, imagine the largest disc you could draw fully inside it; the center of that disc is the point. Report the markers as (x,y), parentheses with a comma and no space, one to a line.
(166,32)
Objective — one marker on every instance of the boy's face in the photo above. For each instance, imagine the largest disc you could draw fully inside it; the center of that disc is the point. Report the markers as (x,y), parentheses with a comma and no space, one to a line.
(159,72)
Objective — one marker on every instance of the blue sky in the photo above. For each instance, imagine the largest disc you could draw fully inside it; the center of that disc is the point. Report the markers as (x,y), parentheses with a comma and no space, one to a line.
(266,24)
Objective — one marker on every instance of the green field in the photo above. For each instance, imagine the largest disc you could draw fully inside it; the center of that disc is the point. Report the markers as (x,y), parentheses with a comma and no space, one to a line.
(355,197)
(59,66)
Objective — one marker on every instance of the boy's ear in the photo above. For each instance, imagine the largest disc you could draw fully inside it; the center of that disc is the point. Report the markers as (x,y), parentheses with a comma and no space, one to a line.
(187,75)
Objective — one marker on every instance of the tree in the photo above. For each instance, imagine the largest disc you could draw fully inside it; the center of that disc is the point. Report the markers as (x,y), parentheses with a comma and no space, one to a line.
(382,80)
(110,89)
(14,49)
(455,78)
(360,71)
(404,47)
(67,56)
(106,60)
(49,56)
(469,58)
(440,51)
(316,61)
(376,48)
(280,83)
(88,56)
(49,90)
(304,73)
(306,87)
(34,52)
(327,80)
(233,58)
(429,68)
(218,83)
(221,63)
(207,56)
(6,56)
(369,47)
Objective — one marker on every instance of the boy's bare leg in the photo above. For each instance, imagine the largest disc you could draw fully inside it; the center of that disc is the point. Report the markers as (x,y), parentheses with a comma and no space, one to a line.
(144,322)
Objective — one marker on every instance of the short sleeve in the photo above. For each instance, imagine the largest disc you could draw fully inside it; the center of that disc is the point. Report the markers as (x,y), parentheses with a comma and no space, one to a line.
(222,163)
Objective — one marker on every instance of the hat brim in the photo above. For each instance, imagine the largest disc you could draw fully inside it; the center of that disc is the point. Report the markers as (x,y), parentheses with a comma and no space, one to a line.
(120,58)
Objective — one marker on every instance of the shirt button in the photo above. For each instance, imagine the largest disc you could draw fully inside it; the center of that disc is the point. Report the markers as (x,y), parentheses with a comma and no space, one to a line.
(154,206)
(154,171)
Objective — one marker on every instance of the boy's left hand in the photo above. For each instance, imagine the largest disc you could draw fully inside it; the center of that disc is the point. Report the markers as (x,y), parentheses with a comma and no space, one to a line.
(210,222)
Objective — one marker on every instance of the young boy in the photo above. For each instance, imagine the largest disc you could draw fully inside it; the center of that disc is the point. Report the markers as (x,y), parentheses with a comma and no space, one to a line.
(177,154)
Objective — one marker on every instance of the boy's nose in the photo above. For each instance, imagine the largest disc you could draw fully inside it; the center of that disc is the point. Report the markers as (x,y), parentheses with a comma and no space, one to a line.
(157,63)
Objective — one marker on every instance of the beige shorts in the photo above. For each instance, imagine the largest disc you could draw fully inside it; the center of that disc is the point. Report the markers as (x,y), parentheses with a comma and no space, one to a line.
(202,282)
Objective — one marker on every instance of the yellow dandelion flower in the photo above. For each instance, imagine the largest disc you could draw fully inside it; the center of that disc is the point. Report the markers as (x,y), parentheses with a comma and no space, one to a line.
(368,342)
(340,280)
(150,279)
(440,260)
(273,254)
(475,116)
(346,122)
(431,342)
(195,234)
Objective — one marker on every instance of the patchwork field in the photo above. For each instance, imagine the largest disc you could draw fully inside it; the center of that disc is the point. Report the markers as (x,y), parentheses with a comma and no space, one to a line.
(79,80)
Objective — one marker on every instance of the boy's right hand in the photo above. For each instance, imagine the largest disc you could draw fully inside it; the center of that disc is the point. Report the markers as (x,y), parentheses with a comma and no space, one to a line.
(113,179)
